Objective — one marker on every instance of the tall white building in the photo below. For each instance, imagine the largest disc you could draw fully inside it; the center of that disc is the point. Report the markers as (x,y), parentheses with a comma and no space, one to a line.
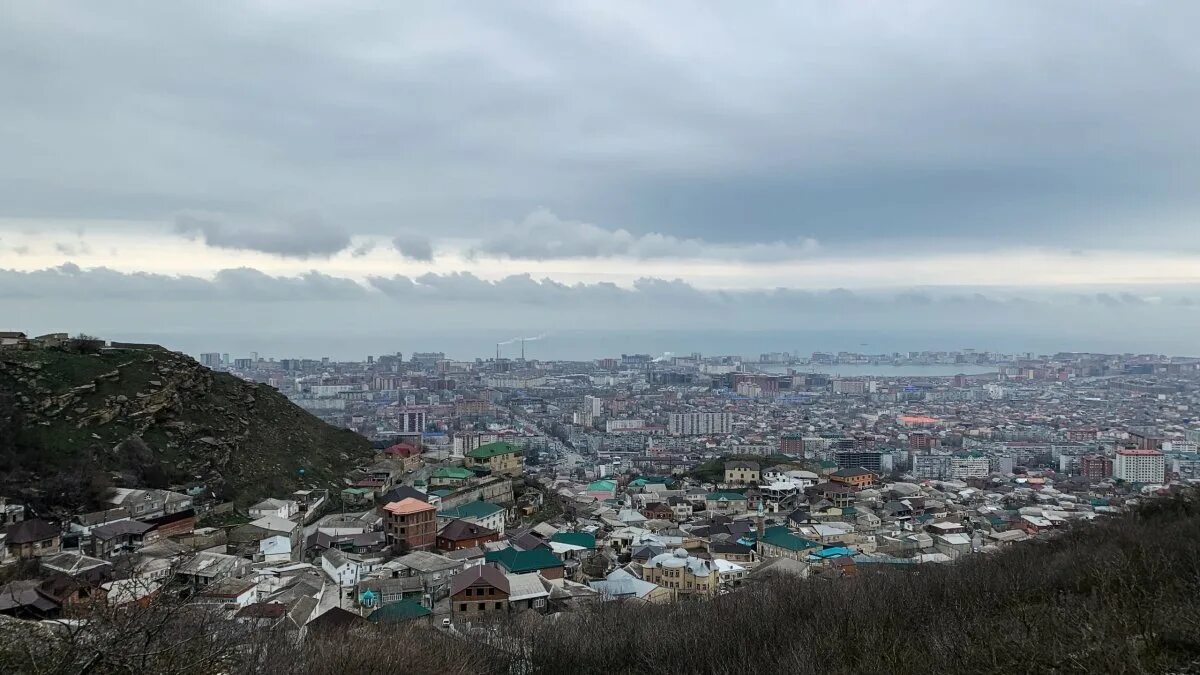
(1140,466)
(593,406)
(700,423)
(969,467)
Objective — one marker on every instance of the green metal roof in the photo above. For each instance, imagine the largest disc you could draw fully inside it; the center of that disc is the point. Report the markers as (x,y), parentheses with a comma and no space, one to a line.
(575,539)
(782,537)
(601,486)
(404,610)
(454,472)
(727,496)
(471,510)
(519,562)
(493,450)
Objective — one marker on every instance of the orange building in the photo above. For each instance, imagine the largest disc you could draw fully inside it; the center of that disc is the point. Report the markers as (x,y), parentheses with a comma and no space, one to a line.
(855,478)
(410,524)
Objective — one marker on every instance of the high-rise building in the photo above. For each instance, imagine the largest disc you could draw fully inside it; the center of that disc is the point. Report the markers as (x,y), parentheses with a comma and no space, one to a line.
(920,440)
(1095,466)
(969,467)
(791,444)
(210,359)
(931,466)
(700,423)
(1140,466)
(593,405)
(859,459)
(411,421)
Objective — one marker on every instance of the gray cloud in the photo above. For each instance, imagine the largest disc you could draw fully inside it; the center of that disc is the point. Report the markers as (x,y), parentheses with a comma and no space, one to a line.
(1065,123)
(542,235)
(413,246)
(307,236)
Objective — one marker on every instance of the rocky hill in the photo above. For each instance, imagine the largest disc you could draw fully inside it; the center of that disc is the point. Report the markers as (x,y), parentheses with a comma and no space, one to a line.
(74,421)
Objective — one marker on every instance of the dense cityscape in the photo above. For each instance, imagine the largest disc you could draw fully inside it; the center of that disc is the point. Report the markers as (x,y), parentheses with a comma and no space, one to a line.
(512,485)
(599,337)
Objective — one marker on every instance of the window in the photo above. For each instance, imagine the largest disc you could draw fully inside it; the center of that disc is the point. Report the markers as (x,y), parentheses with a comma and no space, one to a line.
(462,606)
(482,606)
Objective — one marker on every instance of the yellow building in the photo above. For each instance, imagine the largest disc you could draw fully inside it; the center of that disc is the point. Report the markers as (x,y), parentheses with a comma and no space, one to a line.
(681,573)
(742,473)
(497,457)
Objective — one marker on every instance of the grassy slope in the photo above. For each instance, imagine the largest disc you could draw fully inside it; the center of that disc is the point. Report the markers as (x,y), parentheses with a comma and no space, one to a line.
(245,439)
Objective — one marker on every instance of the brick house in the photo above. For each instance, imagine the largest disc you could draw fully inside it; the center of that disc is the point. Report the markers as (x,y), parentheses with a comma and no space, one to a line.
(410,524)
(459,534)
(478,590)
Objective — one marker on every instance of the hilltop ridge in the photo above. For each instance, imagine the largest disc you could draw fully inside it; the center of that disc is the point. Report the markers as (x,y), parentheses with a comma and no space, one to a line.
(75,417)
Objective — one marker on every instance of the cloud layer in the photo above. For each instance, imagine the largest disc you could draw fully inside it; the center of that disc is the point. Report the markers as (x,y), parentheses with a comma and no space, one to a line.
(887,125)
(300,236)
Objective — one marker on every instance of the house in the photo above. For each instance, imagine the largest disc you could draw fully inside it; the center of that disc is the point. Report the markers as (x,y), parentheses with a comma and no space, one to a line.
(742,473)
(725,502)
(839,495)
(229,592)
(621,585)
(432,569)
(498,457)
(76,565)
(731,551)
(681,573)
(486,514)
(451,476)
(401,612)
(459,534)
(526,591)
(278,508)
(601,490)
(538,560)
(347,569)
(32,538)
(478,590)
(274,549)
(780,542)
(247,539)
(83,523)
(148,503)
(25,599)
(410,524)
(206,567)
(13,339)
(658,511)
(855,478)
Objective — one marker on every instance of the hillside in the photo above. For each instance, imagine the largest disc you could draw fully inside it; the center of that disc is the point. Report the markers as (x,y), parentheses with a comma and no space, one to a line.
(70,419)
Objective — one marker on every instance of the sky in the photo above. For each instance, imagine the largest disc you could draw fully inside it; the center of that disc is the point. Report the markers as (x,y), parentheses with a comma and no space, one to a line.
(338,179)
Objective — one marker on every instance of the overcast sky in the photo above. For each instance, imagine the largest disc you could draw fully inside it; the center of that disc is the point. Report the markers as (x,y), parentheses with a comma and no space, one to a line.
(311,177)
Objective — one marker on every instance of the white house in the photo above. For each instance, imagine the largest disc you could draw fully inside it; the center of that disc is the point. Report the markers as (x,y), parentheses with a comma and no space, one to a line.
(280,508)
(347,569)
(275,549)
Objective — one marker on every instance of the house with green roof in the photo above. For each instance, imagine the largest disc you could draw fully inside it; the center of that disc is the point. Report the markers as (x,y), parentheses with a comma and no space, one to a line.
(726,502)
(486,514)
(539,560)
(498,457)
(398,612)
(582,539)
(781,542)
(601,489)
(453,476)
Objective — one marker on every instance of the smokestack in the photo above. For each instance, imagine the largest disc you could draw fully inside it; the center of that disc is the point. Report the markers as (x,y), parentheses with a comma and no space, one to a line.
(497,352)
(522,349)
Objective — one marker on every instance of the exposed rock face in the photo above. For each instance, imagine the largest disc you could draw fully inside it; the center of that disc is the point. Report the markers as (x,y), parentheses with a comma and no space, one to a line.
(126,408)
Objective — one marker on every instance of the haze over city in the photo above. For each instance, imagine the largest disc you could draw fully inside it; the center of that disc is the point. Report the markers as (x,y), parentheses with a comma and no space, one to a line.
(333,180)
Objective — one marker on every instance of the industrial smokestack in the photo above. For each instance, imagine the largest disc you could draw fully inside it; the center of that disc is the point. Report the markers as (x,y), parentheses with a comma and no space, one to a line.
(522,349)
